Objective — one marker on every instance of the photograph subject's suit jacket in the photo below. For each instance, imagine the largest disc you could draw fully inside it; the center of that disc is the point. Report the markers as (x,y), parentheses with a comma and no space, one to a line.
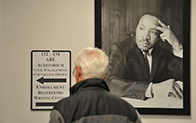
(128,74)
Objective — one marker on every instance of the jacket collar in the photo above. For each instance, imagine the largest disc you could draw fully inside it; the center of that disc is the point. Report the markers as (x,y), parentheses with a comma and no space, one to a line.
(156,51)
(89,84)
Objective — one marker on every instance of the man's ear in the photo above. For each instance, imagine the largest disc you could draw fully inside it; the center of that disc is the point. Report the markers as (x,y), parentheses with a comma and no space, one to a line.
(78,70)
(105,75)
(79,74)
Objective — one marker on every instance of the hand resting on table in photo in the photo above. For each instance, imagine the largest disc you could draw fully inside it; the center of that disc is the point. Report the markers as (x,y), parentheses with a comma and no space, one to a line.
(169,88)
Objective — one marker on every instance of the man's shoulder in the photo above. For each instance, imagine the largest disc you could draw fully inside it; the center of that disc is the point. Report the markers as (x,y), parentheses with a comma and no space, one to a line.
(133,52)
(162,51)
(61,103)
(118,101)
(123,46)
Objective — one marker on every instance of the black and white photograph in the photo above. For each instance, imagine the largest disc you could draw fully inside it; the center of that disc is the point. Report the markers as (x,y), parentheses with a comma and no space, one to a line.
(147,42)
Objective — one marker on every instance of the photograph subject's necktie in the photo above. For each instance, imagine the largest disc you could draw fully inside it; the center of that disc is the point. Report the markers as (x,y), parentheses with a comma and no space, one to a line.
(145,52)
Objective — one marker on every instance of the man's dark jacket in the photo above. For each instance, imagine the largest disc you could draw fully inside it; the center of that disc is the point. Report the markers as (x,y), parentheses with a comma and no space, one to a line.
(165,65)
(128,74)
(91,102)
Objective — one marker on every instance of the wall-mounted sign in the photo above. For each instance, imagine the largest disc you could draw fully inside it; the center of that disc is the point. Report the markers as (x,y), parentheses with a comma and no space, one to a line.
(50,77)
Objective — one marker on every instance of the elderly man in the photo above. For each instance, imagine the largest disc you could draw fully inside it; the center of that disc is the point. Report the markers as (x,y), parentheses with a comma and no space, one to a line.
(90,100)
(146,63)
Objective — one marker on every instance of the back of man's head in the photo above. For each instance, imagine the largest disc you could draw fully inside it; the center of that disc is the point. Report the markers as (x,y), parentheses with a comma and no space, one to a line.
(93,62)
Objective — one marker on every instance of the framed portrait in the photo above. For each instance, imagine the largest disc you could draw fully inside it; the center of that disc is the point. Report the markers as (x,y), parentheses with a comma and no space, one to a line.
(163,85)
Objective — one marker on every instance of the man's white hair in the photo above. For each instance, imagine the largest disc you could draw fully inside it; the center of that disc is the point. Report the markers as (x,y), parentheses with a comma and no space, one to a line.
(93,62)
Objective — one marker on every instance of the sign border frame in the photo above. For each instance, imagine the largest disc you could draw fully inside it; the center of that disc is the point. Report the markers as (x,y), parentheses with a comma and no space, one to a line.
(32,74)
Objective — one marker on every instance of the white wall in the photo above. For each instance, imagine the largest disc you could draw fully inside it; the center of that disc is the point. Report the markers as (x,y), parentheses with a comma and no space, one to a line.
(39,24)
(1,60)
(53,24)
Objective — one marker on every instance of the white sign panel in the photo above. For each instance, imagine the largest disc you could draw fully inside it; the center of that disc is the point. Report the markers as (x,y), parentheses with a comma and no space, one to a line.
(50,77)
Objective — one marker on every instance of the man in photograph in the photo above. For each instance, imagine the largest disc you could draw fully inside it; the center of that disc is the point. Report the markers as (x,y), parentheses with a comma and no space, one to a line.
(139,65)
